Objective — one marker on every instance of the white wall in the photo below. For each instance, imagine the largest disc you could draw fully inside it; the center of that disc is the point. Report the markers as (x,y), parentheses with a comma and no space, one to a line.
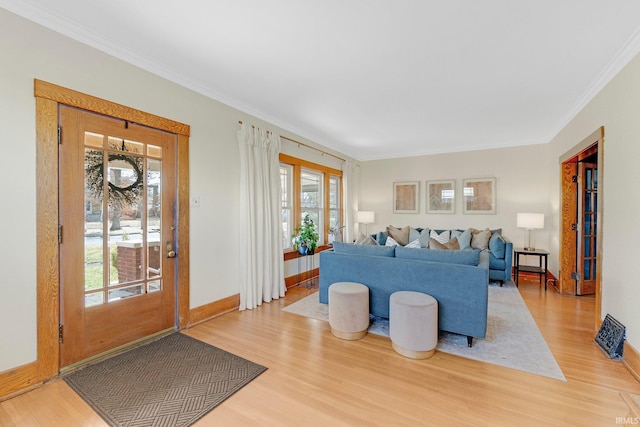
(522,185)
(528,179)
(29,51)
(617,108)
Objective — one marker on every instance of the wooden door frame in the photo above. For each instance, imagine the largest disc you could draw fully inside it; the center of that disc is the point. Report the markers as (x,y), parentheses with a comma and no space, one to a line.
(596,137)
(48,97)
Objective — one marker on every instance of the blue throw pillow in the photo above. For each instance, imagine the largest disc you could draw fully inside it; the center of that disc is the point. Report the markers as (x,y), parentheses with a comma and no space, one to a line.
(350,248)
(438,255)
(497,245)
(382,237)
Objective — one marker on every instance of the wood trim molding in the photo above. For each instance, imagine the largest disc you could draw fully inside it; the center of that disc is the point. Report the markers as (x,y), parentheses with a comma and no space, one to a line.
(214,309)
(48,97)
(47,251)
(62,95)
(183,232)
(17,380)
(587,142)
(631,360)
(289,255)
(285,158)
(295,280)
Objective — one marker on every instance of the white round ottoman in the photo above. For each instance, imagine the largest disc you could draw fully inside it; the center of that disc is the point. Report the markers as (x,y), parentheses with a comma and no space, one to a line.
(349,310)
(413,324)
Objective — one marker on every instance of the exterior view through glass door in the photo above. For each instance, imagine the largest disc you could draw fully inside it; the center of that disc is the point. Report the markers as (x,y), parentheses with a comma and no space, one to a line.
(117,225)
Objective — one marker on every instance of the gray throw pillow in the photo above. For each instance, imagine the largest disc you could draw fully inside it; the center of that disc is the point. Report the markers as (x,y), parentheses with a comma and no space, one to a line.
(365,240)
(480,239)
(464,238)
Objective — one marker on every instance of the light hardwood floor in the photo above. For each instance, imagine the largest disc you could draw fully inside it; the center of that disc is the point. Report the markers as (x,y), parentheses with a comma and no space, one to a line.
(315,379)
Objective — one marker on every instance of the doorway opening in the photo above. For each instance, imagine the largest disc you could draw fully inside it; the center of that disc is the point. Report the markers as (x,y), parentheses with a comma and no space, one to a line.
(581,173)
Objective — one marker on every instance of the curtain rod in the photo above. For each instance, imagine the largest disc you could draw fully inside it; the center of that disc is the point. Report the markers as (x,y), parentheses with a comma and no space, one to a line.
(306,145)
(313,148)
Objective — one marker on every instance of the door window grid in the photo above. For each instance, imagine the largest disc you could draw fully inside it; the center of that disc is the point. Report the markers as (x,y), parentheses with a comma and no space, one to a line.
(132,223)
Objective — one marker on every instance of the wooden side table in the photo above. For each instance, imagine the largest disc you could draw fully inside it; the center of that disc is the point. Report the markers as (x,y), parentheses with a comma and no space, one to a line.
(539,270)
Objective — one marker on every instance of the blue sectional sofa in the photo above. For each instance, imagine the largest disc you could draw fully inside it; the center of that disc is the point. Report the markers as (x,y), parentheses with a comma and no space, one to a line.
(457,279)
(500,250)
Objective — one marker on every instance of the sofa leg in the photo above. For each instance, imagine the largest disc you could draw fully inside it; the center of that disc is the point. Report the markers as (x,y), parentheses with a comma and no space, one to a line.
(469,341)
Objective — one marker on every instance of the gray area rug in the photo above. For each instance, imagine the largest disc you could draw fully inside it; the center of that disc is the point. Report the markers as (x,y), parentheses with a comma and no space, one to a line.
(173,381)
(513,338)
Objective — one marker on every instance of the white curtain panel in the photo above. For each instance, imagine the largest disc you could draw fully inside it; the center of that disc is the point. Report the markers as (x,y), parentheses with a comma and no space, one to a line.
(261,262)
(350,174)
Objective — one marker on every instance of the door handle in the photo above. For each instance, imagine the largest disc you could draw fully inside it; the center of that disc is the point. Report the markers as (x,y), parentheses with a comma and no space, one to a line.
(170,252)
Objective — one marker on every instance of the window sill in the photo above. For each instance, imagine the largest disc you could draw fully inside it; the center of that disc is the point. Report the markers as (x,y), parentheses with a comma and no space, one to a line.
(291,254)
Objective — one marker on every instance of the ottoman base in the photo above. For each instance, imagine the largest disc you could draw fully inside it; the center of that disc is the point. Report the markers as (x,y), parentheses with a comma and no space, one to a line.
(412,354)
(350,336)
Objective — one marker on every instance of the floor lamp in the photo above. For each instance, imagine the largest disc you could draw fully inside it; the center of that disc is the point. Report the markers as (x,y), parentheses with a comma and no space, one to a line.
(530,221)
(365,217)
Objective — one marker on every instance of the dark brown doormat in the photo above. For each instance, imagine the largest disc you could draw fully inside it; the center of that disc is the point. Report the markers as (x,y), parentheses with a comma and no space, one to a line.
(173,381)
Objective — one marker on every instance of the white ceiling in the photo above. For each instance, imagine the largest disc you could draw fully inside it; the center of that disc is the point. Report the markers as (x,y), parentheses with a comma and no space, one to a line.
(372,78)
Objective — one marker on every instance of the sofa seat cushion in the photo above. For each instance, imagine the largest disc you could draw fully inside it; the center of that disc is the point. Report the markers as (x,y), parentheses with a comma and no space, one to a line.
(350,248)
(496,263)
(437,255)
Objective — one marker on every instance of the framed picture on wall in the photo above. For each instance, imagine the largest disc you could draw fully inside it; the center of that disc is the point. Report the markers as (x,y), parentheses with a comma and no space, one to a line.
(441,196)
(405,197)
(479,196)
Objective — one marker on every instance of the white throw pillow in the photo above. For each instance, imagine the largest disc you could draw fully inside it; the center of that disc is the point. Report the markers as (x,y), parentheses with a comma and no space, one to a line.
(440,238)
(391,242)
(414,244)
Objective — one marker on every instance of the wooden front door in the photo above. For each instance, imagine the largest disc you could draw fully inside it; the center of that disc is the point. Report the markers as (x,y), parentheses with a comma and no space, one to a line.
(117,204)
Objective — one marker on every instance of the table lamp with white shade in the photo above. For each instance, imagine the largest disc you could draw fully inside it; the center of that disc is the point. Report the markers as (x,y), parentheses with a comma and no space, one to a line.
(530,221)
(365,217)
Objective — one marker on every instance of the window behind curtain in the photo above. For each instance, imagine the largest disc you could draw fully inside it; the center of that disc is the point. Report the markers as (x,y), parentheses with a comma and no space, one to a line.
(286,186)
(312,200)
(334,201)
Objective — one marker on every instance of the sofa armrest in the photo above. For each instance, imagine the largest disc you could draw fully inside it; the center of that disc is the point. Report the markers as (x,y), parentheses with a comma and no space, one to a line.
(508,258)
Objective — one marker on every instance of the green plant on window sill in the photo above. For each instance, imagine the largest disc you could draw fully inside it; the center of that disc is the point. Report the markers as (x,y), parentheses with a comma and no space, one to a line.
(307,236)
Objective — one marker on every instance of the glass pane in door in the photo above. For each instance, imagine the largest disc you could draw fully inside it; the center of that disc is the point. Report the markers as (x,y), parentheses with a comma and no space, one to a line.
(123,247)
(94,254)
(154,217)
(126,210)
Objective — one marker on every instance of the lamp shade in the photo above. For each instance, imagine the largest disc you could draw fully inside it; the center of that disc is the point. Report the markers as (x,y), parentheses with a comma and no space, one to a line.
(365,217)
(530,221)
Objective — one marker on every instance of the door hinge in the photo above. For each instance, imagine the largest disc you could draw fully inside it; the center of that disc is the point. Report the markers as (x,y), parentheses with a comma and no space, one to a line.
(574,227)
(574,178)
(59,234)
(59,135)
(60,330)
(575,275)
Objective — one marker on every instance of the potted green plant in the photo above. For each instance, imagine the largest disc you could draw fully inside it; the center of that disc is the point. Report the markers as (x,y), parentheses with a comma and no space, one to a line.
(307,236)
